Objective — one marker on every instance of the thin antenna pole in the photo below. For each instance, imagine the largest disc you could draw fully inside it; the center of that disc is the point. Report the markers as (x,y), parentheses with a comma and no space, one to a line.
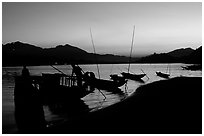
(95,53)
(169,69)
(96,61)
(111,68)
(59,70)
(130,55)
(131,48)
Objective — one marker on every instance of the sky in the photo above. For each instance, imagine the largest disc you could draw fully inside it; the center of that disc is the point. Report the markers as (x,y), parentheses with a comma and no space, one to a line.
(159,26)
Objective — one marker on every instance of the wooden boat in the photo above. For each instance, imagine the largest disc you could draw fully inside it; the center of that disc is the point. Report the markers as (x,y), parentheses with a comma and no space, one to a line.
(163,75)
(192,67)
(91,80)
(116,77)
(59,83)
(61,93)
(135,77)
(58,92)
(107,84)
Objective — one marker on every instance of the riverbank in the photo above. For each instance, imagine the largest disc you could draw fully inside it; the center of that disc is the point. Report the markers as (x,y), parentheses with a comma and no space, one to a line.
(171,106)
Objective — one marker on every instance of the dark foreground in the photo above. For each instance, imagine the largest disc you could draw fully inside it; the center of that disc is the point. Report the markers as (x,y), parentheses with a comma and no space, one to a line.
(168,107)
(171,106)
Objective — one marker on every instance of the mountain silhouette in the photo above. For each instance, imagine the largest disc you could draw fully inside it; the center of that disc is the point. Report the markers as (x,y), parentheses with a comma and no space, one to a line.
(158,58)
(186,55)
(195,57)
(180,52)
(18,54)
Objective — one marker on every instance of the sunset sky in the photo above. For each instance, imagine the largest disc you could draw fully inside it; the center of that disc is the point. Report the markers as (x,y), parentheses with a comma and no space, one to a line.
(159,27)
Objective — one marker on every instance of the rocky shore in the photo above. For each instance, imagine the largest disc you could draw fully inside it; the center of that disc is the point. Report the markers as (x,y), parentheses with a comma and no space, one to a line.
(171,106)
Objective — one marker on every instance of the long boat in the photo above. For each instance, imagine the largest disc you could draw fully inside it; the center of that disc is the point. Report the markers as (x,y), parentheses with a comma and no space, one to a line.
(127,75)
(89,79)
(61,93)
(116,77)
(58,92)
(133,76)
(163,75)
(103,83)
(193,67)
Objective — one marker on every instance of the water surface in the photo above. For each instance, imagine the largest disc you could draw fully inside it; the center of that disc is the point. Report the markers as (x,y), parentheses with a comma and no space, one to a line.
(94,100)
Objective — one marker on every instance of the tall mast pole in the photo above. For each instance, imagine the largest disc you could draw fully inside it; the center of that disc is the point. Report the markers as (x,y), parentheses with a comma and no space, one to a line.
(95,53)
(131,48)
(96,60)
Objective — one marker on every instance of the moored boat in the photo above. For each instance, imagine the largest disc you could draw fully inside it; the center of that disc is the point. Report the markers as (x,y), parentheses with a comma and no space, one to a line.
(163,75)
(91,80)
(133,76)
(193,67)
(116,77)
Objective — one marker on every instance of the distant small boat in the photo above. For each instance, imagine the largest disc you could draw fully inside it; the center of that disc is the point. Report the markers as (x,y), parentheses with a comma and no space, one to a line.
(163,75)
(127,75)
(133,76)
(192,67)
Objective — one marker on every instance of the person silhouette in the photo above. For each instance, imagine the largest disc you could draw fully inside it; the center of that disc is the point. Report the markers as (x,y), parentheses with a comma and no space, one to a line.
(25,72)
(78,72)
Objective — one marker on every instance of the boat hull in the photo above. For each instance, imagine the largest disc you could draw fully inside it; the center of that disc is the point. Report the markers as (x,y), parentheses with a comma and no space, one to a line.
(133,76)
(163,75)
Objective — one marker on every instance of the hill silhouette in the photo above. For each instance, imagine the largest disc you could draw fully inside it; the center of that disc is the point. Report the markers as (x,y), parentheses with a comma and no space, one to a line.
(195,57)
(181,52)
(186,55)
(18,54)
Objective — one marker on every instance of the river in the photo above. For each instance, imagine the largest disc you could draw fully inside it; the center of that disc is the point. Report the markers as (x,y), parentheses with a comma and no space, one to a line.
(94,100)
